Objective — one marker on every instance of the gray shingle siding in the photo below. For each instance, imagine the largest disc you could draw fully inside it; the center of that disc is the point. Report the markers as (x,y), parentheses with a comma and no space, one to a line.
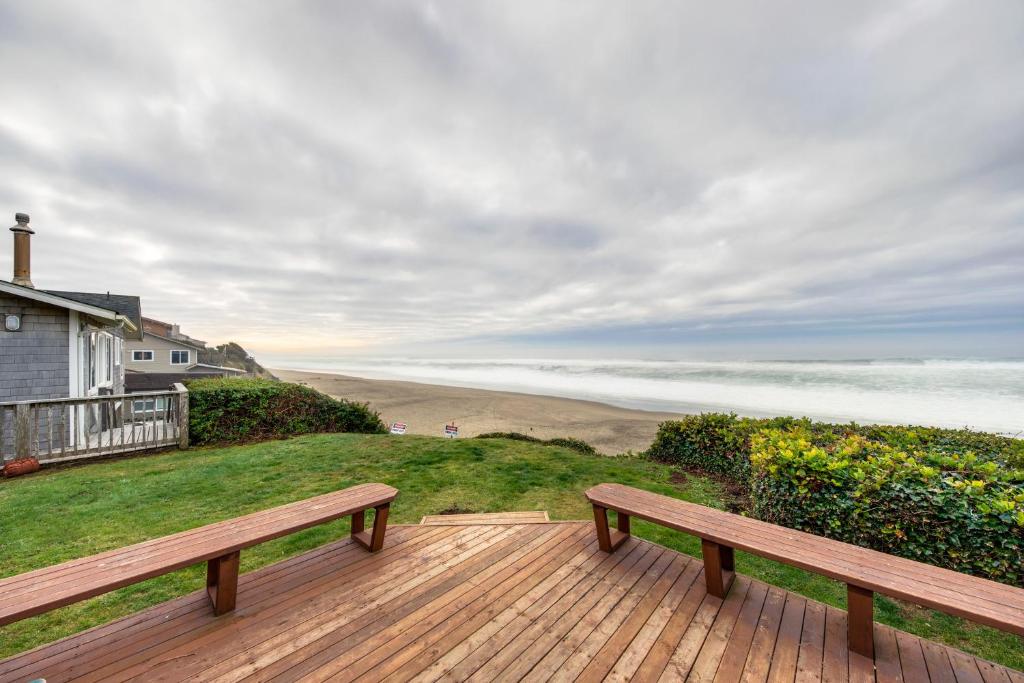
(34,360)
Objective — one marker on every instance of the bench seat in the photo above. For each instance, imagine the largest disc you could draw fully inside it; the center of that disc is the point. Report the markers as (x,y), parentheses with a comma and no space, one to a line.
(218,544)
(864,571)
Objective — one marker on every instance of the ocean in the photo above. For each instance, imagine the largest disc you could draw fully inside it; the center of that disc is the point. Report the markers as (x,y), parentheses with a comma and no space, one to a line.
(984,395)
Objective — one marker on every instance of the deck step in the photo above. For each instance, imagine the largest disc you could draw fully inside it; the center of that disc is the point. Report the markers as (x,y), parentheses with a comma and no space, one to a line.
(488,518)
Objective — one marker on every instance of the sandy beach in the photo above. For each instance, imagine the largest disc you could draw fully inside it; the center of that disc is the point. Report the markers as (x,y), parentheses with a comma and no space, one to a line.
(425,408)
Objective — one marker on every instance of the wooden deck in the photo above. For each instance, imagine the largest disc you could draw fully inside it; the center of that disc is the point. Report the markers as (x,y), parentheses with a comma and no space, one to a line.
(487,518)
(533,601)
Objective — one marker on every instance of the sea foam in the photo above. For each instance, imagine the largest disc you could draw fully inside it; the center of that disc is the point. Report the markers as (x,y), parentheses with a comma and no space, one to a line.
(980,394)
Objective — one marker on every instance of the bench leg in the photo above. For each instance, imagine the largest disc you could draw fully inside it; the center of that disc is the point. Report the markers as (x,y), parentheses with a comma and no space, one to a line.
(380,525)
(358,522)
(860,620)
(719,568)
(375,541)
(608,540)
(222,582)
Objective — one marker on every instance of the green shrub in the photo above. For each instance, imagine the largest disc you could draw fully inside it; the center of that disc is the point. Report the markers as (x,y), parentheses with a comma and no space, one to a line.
(514,436)
(233,410)
(947,508)
(578,445)
(720,443)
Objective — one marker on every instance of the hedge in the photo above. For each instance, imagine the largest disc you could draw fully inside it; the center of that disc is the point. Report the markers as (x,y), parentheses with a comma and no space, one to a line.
(944,507)
(578,445)
(720,443)
(223,411)
(711,442)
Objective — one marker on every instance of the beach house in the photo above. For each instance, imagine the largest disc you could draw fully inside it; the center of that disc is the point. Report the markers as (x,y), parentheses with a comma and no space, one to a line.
(62,371)
(60,344)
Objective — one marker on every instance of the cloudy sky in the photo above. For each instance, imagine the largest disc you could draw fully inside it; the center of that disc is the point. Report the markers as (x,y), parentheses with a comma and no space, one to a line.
(671,178)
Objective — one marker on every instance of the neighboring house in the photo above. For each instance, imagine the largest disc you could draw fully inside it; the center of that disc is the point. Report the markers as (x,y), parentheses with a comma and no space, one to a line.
(157,354)
(58,344)
(164,356)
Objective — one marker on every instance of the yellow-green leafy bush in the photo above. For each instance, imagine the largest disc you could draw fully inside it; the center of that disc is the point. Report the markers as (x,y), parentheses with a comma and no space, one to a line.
(719,443)
(951,509)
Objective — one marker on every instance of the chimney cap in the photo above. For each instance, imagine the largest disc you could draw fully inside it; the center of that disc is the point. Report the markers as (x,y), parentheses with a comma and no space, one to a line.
(22,225)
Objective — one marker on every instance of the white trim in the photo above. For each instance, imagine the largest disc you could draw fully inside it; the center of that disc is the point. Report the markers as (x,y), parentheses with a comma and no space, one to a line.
(171,352)
(74,369)
(151,359)
(54,300)
(127,322)
(107,364)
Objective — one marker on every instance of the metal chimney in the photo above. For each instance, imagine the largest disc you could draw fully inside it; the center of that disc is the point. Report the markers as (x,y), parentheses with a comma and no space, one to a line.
(22,251)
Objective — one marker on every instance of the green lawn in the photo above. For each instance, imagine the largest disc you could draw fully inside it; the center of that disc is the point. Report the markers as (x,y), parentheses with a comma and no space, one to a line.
(58,515)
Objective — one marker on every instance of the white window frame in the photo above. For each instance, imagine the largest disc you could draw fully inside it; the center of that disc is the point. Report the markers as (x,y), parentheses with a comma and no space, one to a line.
(101,360)
(188,356)
(151,352)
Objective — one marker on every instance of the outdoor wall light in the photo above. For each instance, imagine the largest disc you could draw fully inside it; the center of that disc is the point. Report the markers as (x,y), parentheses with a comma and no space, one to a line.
(12,322)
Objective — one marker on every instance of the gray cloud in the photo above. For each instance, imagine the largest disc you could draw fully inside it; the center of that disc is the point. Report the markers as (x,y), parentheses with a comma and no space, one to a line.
(388,175)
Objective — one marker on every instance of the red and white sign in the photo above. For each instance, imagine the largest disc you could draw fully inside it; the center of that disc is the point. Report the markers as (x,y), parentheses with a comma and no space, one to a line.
(398,428)
(451,431)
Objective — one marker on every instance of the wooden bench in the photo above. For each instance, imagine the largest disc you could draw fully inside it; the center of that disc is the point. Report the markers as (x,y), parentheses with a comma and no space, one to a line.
(863,571)
(218,544)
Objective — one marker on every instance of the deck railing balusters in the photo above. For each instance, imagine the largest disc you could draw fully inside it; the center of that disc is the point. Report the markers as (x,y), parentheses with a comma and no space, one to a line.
(63,429)
(113,422)
(93,425)
(49,431)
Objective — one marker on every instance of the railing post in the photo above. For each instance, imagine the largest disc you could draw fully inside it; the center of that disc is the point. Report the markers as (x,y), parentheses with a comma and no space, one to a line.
(182,415)
(22,431)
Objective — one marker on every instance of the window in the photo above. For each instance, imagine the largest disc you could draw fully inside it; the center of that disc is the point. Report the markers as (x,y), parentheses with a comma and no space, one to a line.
(180,357)
(142,355)
(100,362)
(149,405)
(106,353)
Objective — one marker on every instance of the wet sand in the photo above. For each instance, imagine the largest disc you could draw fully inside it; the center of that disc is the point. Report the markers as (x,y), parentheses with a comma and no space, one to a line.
(426,408)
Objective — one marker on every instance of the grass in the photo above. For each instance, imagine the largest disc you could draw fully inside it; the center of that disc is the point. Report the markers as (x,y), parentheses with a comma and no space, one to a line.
(61,514)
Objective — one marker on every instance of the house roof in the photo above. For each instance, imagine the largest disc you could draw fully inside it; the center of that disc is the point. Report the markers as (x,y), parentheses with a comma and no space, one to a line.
(179,342)
(125,304)
(113,307)
(204,367)
(166,330)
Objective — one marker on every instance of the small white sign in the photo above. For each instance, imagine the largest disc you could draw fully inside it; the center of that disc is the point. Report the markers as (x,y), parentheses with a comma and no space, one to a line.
(398,428)
(451,431)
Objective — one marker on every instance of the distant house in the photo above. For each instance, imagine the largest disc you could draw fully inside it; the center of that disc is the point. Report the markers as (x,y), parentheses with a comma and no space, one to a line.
(59,344)
(162,349)
(164,355)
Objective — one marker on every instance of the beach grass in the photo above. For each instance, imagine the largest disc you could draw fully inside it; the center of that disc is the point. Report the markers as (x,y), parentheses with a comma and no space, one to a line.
(60,514)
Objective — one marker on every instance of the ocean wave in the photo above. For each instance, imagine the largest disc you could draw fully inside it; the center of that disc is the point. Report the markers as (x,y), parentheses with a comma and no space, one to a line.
(980,394)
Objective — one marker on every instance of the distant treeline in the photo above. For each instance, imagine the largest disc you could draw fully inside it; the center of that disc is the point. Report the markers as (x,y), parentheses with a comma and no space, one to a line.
(232,355)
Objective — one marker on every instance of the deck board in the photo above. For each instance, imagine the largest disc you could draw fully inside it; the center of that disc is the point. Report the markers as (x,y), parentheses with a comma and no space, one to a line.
(485,602)
(539,516)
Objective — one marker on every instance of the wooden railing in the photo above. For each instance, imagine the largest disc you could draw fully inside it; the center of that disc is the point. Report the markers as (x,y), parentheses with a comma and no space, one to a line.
(64,429)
